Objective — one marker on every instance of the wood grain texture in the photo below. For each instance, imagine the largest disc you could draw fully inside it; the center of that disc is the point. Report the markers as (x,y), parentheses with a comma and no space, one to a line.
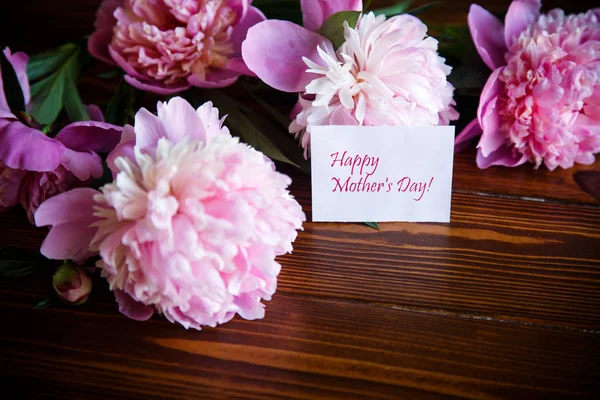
(504,259)
(304,349)
(500,303)
(521,182)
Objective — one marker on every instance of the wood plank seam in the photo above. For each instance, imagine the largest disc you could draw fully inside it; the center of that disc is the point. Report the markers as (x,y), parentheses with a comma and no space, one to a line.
(443,312)
(546,200)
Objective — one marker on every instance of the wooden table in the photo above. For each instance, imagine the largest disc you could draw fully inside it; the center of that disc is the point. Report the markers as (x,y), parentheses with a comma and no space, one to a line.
(501,303)
(504,302)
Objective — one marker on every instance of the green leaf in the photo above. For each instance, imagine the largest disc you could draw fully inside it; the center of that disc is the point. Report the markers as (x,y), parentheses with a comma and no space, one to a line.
(425,7)
(255,130)
(396,9)
(17,263)
(16,268)
(46,302)
(468,77)
(254,137)
(120,109)
(73,104)
(277,116)
(58,88)
(288,10)
(47,98)
(373,225)
(45,63)
(333,27)
(110,74)
(12,88)
(366,5)
(280,138)
(247,131)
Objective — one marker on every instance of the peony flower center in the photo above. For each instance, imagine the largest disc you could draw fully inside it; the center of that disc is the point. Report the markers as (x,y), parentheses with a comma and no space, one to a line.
(549,77)
(344,82)
(168,40)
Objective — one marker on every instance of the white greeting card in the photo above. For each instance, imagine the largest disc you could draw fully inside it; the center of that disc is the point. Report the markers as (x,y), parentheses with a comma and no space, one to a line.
(381,174)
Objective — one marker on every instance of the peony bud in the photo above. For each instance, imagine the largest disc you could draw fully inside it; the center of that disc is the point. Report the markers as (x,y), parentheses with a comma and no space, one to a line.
(72,284)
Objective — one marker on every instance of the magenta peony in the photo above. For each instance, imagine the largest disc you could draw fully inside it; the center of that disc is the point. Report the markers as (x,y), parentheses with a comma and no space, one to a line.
(166,46)
(542,102)
(33,166)
(191,225)
(387,72)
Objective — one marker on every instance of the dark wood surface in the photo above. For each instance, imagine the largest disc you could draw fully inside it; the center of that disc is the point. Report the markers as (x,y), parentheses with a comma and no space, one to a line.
(502,303)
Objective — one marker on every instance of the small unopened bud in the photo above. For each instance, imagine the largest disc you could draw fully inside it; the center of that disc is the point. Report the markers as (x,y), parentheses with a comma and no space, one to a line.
(72,284)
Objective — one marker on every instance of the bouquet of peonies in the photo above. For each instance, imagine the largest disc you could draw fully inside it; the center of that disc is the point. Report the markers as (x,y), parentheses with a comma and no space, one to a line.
(181,210)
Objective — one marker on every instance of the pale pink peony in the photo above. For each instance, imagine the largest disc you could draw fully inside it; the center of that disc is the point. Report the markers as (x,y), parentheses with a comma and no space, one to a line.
(387,72)
(34,166)
(542,102)
(191,225)
(166,46)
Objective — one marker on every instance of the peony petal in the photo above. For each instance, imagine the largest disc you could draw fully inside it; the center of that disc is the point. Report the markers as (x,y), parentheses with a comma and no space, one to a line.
(5,116)
(71,206)
(123,149)
(492,137)
(253,17)
(148,129)
(10,187)
(215,79)
(179,120)
(3,102)
(99,137)
(463,140)
(241,8)
(312,14)
(493,87)
(82,164)
(250,307)
(238,66)
(19,62)
(156,87)
(273,50)
(342,116)
(26,148)
(503,157)
(124,64)
(315,12)
(297,109)
(98,46)
(131,308)
(520,15)
(68,241)
(95,113)
(105,21)
(212,125)
(487,32)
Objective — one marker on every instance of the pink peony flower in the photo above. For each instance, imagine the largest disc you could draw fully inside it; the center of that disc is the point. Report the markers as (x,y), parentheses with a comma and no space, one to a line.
(387,72)
(191,225)
(166,46)
(542,102)
(35,167)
